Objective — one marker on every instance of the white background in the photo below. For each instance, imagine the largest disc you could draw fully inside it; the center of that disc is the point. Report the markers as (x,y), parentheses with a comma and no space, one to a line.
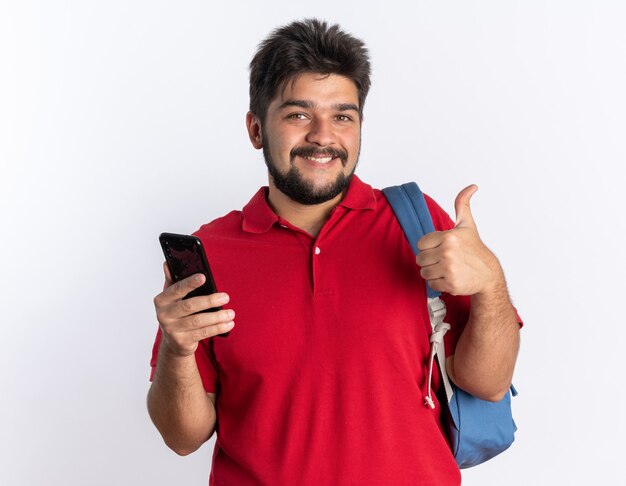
(122,119)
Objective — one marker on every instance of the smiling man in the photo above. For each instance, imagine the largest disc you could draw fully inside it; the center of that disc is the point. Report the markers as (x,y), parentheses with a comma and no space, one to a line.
(323,379)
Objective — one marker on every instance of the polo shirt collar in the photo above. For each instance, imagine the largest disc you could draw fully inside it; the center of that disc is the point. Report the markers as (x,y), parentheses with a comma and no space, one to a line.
(258,217)
(359,195)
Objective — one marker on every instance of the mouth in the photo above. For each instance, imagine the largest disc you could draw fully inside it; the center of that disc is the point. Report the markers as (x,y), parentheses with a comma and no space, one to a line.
(320,160)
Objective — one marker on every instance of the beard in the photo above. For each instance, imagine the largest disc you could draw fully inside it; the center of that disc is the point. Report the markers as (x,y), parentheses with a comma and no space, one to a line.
(298,189)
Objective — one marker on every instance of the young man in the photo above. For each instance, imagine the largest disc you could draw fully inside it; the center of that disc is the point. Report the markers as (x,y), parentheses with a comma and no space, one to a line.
(323,379)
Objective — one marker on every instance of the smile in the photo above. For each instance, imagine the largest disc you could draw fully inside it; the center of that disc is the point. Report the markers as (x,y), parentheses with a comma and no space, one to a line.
(320,160)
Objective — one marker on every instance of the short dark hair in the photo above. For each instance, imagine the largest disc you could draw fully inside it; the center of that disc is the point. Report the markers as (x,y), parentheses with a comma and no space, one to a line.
(310,45)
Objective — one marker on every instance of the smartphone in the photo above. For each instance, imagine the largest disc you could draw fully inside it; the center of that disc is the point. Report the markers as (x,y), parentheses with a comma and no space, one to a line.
(185,256)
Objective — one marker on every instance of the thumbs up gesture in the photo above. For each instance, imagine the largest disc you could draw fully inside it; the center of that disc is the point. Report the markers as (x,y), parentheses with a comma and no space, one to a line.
(456,261)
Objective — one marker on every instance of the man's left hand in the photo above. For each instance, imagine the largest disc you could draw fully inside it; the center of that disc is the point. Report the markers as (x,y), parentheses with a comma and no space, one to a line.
(456,261)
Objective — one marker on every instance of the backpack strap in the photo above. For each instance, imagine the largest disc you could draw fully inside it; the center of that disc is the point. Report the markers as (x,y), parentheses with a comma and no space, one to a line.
(411,210)
(408,204)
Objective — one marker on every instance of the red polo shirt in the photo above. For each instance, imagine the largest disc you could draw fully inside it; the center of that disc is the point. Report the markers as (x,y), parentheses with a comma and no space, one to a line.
(322,380)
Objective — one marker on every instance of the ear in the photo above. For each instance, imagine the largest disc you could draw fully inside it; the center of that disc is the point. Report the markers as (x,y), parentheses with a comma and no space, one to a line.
(254,130)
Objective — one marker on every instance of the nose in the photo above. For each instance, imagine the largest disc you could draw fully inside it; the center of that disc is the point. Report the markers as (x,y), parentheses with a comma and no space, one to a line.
(321,132)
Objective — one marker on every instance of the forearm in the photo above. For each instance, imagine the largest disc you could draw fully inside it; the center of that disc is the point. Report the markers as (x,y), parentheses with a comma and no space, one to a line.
(485,355)
(179,406)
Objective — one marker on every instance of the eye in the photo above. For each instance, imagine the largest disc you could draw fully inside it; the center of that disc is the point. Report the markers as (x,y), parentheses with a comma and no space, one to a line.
(297,116)
(343,118)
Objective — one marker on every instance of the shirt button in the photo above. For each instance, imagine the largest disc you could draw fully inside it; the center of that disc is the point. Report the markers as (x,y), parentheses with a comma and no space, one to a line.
(317,250)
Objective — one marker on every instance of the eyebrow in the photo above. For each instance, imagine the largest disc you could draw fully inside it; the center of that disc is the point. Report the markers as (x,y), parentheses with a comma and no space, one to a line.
(309,105)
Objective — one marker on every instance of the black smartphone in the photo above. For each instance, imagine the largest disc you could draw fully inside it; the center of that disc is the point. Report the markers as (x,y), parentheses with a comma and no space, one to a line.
(185,256)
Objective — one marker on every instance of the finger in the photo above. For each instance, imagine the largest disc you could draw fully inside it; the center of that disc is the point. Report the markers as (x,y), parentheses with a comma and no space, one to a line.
(168,275)
(438,284)
(211,331)
(462,207)
(201,320)
(186,342)
(427,257)
(431,272)
(178,290)
(430,241)
(187,307)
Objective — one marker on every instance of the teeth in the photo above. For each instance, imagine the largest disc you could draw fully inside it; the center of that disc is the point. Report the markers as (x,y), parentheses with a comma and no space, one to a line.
(324,160)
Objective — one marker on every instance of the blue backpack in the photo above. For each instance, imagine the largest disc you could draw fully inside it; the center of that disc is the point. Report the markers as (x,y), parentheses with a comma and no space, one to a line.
(477,429)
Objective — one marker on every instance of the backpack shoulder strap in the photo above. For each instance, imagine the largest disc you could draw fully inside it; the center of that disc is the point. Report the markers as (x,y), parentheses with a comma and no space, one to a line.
(411,210)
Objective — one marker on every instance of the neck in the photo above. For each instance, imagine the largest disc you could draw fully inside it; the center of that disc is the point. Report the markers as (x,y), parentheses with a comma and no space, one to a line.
(309,218)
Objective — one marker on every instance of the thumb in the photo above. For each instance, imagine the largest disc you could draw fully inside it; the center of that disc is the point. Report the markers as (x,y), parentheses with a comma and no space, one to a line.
(168,275)
(464,216)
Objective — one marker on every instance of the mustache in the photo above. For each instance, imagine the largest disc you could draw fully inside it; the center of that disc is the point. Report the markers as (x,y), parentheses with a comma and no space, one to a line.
(319,153)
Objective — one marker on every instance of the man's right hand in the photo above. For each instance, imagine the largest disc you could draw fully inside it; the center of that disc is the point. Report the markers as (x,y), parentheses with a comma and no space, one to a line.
(182,323)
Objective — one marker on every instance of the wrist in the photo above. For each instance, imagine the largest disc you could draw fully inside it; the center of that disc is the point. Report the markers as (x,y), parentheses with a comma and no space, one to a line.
(172,367)
(171,352)
(494,284)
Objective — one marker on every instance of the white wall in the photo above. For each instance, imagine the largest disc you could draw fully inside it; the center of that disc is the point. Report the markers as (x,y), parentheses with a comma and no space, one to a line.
(122,119)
